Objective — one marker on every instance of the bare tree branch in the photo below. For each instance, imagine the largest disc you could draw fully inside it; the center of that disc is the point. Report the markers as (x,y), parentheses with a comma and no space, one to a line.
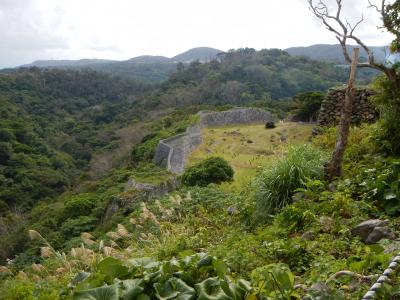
(344,31)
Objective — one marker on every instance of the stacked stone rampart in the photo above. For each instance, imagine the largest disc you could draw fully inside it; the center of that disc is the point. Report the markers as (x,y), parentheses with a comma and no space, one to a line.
(363,112)
(172,152)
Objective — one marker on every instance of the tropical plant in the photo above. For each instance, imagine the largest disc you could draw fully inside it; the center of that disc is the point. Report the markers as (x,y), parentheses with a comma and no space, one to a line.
(276,184)
(198,276)
(306,106)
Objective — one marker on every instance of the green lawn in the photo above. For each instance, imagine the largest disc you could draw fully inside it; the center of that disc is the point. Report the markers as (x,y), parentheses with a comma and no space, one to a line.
(247,147)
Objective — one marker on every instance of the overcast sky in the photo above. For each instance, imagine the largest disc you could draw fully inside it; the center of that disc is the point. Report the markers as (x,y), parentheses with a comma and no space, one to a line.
(121,29)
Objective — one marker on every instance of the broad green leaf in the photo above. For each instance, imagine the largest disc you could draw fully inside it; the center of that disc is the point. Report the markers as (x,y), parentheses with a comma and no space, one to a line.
(186,277)
(236,291)
(94,280)
(131,288)
(205,260)
(274,278)
(245,285)
(143,262)
(174,288)
(210,289)
(220,267)
(152,277)
(171,266)
(112,268)
(101,293)
(143,297)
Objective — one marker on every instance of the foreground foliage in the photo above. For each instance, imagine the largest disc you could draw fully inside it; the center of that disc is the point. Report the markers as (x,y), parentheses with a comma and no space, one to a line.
(276,185)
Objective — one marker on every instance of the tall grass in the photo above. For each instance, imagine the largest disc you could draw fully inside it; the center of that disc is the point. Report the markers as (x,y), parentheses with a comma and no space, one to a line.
(275,185)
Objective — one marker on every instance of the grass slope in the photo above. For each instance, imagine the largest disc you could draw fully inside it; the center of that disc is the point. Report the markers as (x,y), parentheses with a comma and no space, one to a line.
(246,147)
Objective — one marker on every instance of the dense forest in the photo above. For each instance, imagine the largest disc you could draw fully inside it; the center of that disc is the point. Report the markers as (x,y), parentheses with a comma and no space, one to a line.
(246,75)
(52,122)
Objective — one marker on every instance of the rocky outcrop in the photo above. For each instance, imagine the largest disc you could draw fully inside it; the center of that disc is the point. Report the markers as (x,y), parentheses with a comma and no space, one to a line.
(141,192)
(330,111)
(172,153)
(372,231)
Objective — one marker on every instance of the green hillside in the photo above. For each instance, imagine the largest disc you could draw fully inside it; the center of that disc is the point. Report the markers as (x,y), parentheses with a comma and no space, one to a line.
(85,214)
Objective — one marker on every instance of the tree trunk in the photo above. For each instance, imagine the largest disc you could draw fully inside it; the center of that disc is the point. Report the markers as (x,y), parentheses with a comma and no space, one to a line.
(334,168)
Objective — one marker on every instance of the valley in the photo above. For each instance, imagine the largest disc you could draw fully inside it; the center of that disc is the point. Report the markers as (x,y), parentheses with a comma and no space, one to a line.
(86,214)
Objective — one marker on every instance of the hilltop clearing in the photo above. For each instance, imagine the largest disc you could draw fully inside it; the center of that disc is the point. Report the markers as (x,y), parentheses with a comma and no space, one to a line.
(248,147)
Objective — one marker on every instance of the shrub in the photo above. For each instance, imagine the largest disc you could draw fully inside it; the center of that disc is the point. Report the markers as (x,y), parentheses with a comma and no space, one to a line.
(5,152)
(387,100)
(359,143)
(269,125)
(210,170)
(80,205)
(295,218)
(275,185)
(73,227)
(379,183)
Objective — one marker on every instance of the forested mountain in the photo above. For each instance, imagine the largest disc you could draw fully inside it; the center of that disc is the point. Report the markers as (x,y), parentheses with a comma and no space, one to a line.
(146,68)
(157,69)
(202,54)
(246,75)
(334,52)
(66,63)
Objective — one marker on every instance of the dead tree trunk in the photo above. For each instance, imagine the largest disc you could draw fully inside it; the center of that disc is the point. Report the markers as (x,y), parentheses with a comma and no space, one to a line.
(334,167)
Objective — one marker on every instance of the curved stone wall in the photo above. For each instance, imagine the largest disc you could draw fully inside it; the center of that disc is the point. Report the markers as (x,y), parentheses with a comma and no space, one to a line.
(171,153)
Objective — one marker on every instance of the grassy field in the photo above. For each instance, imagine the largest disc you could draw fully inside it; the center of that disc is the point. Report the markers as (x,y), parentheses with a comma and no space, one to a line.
(246,147)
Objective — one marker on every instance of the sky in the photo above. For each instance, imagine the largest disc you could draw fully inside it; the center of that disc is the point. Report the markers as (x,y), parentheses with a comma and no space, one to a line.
(121,29)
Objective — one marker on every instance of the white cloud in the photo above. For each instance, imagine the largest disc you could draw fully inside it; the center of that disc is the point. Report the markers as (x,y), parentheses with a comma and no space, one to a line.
(120,29)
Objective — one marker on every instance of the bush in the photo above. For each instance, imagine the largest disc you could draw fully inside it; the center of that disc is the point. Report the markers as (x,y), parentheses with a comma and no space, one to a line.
(379,183)
(270,125)
(276,184)
(211,170)
(387,100)
(80,205)
(359,144)
(73,227)
(5,152)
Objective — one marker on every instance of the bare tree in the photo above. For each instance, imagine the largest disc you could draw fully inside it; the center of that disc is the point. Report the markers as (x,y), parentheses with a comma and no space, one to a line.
(334,168)
(345,32)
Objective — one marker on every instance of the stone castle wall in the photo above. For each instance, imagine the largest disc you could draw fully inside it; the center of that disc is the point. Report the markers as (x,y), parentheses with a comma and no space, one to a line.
(171,153)
(330,111)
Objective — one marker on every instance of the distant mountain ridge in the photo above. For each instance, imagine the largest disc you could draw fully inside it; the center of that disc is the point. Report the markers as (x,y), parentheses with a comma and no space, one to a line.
(202,54)
(146,68)
(334,52)
(66,62)
(155,69)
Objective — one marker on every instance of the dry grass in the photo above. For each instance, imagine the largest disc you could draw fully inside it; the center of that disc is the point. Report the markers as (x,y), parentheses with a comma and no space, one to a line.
(247,147)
